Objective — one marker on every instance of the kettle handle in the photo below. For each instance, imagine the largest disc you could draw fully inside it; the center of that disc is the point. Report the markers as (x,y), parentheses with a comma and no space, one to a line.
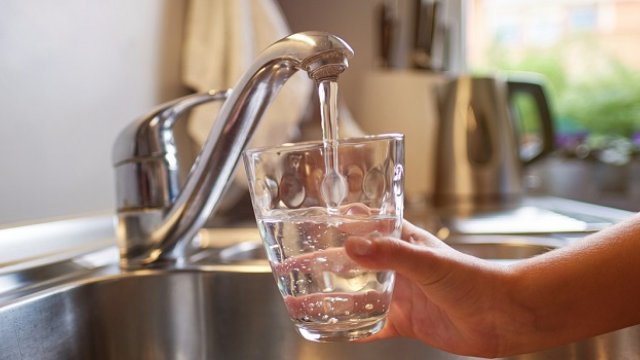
(536,90)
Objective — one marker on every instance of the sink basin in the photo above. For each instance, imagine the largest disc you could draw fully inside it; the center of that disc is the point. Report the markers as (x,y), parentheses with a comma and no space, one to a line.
(234,312)
(230,311)
(62,296)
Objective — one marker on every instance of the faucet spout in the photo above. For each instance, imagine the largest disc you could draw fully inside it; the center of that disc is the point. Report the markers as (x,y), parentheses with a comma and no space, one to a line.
(156,234)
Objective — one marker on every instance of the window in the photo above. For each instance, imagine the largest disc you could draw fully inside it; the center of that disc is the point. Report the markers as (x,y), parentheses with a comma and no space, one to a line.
(589,53)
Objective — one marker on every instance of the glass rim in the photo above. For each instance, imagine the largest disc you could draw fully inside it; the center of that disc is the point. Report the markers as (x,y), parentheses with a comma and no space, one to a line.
(315,143)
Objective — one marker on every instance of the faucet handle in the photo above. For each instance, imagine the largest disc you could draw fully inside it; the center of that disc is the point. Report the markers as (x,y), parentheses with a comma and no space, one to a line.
(145,136)
(145,156)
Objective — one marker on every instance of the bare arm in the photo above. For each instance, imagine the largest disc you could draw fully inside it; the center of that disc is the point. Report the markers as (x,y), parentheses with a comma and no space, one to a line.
(588,288)
(474,307)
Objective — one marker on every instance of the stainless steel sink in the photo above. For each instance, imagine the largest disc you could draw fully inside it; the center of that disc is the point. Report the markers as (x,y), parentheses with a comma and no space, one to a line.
(216,312)
(232,312)
(82,306)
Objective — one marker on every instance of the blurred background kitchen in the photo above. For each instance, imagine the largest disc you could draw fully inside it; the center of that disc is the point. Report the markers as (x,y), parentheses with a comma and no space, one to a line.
(73,73)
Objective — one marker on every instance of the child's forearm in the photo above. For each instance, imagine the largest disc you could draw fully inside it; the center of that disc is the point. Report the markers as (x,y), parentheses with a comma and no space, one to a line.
(588,288)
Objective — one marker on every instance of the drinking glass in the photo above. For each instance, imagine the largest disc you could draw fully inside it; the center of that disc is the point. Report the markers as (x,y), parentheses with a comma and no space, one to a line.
(308,198)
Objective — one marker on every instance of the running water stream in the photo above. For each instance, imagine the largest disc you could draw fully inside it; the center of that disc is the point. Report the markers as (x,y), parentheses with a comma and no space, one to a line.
(334,184)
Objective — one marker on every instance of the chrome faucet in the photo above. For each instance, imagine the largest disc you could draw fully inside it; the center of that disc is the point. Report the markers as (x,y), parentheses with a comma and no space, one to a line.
(157,218)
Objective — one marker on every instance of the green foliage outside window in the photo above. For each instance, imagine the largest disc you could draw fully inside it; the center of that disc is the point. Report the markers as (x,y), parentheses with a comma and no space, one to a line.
(601,98)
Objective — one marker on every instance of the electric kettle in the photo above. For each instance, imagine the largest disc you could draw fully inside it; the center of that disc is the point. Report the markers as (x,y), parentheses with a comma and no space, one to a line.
(479,161)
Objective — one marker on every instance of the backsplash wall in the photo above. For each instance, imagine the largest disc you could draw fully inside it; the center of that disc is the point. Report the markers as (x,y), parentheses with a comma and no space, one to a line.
(73,73)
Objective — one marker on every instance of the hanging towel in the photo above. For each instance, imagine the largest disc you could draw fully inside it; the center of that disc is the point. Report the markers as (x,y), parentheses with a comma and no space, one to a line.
(223,38)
